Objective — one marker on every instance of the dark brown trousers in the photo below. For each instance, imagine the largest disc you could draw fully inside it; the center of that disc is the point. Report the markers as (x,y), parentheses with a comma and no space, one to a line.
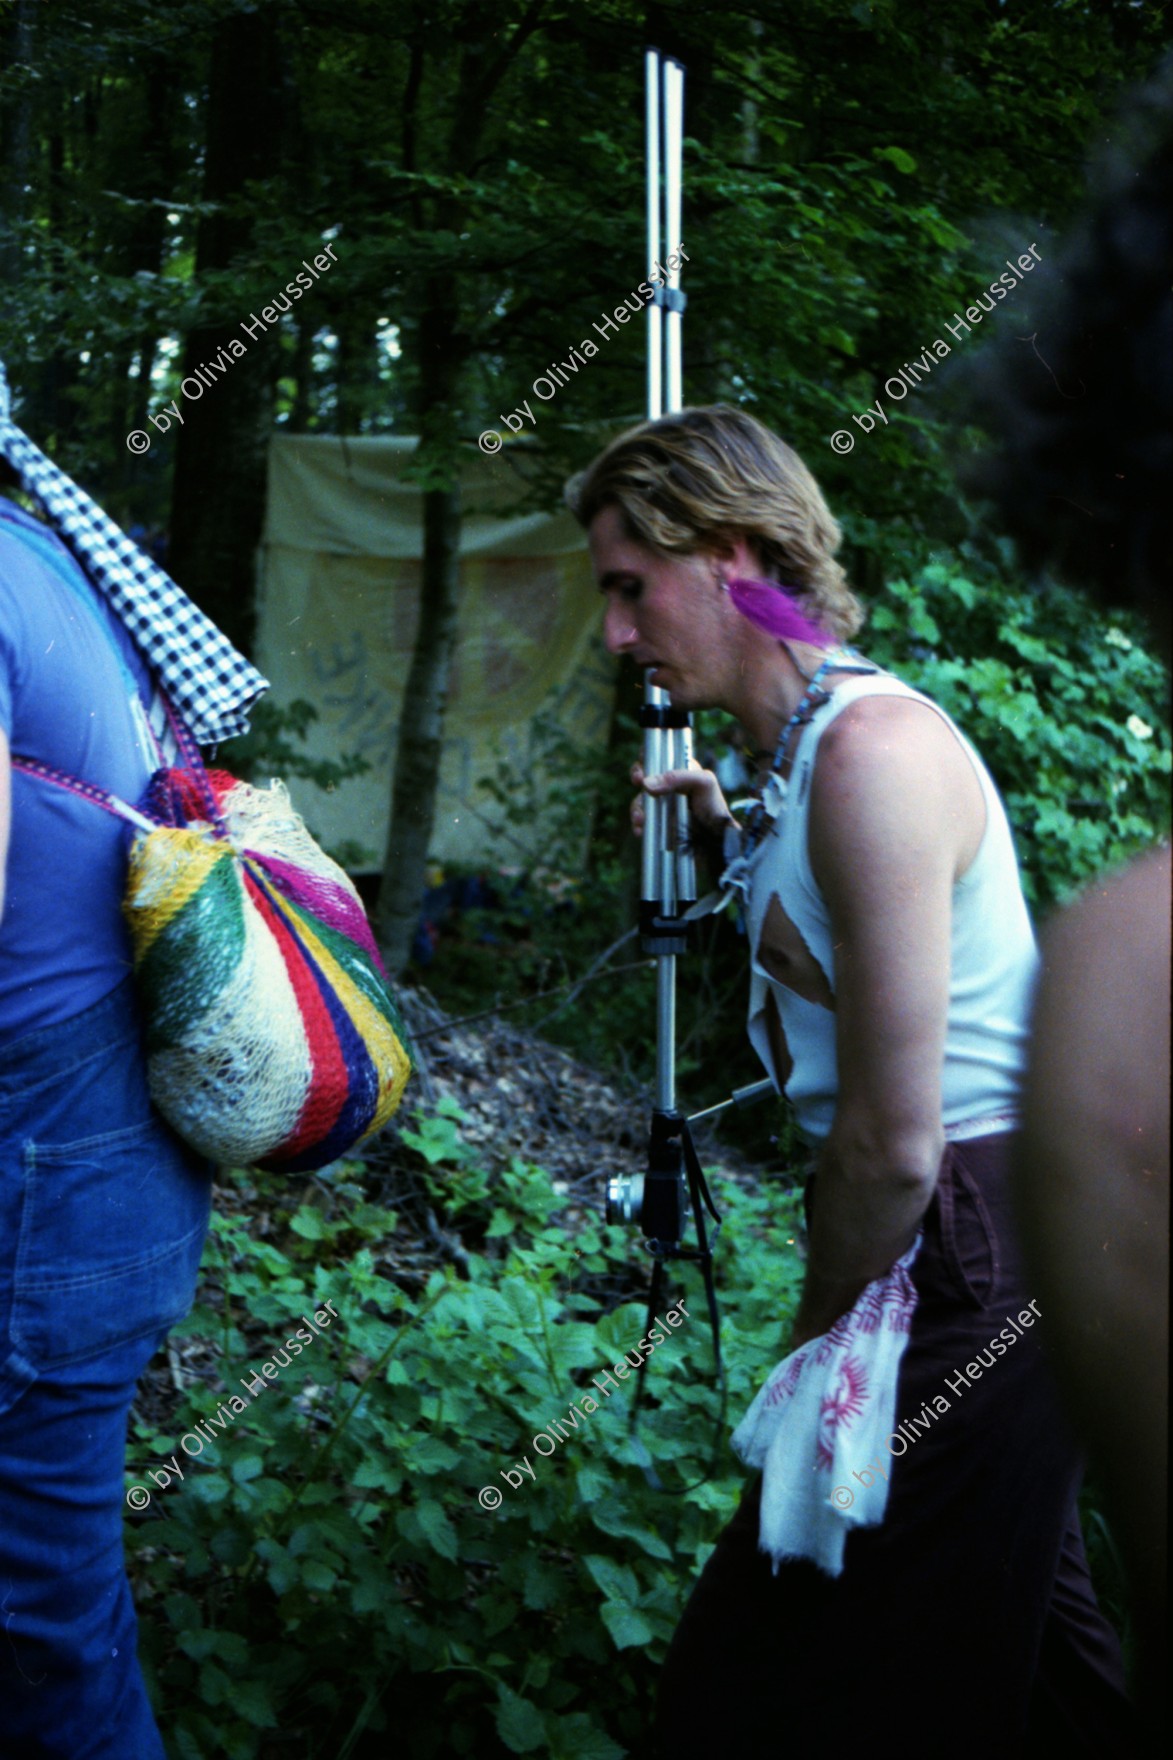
(965,1625)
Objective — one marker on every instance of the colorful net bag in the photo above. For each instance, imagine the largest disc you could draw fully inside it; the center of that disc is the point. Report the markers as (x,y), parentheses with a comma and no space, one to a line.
(271,1037)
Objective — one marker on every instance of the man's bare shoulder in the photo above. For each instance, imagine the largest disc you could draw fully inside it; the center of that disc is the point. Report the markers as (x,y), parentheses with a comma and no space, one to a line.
(868,756)
(897,760)
(901,730)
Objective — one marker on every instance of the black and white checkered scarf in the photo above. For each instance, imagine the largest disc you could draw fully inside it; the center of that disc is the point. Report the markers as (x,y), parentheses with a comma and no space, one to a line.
(211,685)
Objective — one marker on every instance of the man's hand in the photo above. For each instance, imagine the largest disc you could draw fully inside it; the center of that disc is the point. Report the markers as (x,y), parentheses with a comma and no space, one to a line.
(706,803)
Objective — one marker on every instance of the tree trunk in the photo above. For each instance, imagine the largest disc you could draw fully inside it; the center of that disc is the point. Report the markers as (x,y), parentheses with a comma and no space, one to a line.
(218,492)
(421,730)
(15,144)
(443,353)
(154,155)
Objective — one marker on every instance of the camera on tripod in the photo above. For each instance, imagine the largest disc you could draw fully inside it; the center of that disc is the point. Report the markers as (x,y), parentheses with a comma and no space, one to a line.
(656,1201)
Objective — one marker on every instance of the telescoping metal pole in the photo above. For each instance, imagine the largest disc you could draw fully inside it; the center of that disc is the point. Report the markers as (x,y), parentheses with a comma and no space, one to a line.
(669,876)
(661,1200)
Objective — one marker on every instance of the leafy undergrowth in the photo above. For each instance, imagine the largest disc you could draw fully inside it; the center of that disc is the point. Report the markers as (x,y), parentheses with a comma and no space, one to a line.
(323,1577)
(326,1580)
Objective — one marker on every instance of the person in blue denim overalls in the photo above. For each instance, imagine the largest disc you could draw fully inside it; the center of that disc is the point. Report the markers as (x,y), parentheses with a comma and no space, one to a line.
(103,1211)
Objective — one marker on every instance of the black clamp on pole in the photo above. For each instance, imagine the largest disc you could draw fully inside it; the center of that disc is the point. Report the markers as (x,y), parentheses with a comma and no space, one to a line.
(673,299)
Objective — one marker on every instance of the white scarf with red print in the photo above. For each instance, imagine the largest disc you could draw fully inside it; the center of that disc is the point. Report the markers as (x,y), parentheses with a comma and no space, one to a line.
(819,1429)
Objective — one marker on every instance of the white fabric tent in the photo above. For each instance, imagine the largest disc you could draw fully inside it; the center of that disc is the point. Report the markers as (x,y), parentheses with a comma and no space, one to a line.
(338,605)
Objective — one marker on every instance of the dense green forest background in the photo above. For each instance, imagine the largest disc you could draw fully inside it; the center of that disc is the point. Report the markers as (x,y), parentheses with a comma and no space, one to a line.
(854,174)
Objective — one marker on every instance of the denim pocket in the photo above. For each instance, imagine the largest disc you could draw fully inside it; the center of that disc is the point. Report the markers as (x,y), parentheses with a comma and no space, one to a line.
(111,1234)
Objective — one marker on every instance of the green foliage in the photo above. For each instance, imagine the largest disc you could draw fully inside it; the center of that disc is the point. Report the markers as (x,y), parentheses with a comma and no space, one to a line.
(554,917)
(1107,1569)
(1062,701)
(553,779)
(274,746)
(325,1567)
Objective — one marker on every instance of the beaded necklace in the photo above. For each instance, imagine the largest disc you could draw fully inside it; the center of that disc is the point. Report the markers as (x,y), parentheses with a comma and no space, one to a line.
(760,818)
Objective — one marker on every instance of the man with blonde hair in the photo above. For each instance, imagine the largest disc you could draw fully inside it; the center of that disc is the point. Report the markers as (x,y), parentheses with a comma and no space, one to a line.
(892,962)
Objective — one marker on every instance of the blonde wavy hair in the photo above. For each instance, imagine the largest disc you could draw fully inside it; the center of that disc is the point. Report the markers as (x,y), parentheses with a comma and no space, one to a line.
(689,481)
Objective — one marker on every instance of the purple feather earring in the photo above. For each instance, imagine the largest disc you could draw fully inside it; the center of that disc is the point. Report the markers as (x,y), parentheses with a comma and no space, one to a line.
(771,606)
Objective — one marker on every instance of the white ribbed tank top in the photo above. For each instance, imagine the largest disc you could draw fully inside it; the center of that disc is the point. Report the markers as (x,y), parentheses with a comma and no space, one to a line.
(994,959)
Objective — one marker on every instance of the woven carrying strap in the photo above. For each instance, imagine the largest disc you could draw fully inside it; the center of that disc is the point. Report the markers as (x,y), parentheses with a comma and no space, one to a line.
(100,797)
(113,803)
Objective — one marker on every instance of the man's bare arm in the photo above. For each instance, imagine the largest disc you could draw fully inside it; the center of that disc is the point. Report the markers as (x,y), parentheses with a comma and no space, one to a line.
(1093,1190)
(896,813)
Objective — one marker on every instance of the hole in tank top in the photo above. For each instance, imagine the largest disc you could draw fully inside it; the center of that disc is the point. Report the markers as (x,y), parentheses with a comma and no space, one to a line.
(784,954)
